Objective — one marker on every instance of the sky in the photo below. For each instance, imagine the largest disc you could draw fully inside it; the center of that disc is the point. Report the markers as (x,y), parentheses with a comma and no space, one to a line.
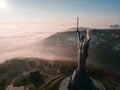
(92,13)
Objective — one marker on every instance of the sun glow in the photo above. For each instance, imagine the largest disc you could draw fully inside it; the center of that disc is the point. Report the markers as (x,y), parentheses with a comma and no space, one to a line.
(2,4)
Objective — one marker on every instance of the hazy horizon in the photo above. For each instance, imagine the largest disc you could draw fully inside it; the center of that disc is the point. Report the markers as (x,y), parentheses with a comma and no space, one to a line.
(94,13)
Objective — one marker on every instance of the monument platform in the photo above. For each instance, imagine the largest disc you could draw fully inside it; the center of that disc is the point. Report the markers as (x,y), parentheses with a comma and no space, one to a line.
(65,82)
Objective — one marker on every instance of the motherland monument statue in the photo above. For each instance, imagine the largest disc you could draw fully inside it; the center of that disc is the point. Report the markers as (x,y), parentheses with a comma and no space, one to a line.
(80,79)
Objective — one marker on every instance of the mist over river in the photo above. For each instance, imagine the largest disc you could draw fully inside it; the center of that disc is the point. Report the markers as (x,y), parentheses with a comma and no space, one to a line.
(23,40)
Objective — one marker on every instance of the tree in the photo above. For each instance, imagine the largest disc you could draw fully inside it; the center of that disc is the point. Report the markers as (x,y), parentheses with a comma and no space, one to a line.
(36,78)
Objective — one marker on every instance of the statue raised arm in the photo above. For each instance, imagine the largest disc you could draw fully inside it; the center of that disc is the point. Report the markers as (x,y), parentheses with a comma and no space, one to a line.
(80,79)
(83,45)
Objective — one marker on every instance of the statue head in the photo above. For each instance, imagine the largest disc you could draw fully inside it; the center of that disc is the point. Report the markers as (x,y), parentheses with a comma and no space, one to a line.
(82,38)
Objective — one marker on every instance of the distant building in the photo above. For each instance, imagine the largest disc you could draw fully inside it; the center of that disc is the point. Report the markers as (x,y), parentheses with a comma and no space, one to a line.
(116,26)
(116,48)
(117,35)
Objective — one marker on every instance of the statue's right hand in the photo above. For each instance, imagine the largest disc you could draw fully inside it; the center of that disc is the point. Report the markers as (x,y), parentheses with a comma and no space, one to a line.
(89,34)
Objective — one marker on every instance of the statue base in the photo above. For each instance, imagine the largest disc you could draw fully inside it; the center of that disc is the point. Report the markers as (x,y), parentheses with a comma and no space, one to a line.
(80,81)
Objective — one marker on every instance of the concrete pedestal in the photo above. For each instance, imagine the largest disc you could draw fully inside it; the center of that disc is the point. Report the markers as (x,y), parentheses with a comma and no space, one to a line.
(64,84)
(80,81)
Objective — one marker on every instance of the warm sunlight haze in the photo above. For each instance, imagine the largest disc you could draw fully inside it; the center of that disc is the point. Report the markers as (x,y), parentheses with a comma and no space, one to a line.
(3,5)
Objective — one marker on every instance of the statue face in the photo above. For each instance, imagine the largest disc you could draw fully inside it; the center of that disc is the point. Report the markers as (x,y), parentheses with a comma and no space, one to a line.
(82,37)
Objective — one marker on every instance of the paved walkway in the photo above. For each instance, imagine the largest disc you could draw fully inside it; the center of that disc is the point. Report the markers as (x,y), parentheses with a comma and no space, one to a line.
(11,87)
(97,83)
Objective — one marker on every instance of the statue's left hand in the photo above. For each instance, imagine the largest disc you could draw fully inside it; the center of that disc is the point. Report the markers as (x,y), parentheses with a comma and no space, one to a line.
(89,34)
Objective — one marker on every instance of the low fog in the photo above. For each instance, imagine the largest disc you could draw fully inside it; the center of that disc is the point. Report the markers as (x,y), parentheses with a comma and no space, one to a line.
(24,40)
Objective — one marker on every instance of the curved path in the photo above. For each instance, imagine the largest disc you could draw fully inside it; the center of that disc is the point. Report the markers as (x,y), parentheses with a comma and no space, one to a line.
(97,83)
